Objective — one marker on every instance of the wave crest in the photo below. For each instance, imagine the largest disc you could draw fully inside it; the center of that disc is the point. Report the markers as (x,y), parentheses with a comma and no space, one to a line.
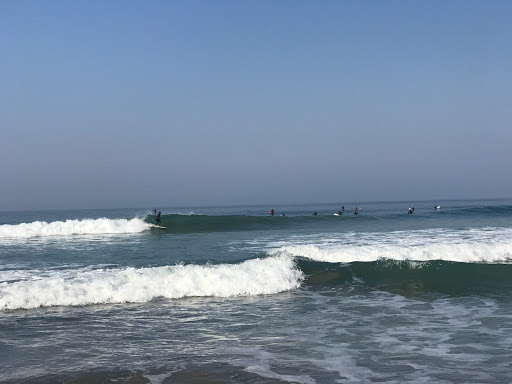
(72,227)
(136,285)
(462,252)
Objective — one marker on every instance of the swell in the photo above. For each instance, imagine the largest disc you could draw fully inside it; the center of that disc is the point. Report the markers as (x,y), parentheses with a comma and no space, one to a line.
(176,223)
(484,210)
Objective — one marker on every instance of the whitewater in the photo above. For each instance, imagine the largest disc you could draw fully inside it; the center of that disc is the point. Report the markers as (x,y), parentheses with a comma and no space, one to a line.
(102,226)
(137,285)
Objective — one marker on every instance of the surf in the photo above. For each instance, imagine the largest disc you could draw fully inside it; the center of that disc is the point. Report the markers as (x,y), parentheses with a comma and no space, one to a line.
(102,226)
(469,245)
(265,276)
(465,253)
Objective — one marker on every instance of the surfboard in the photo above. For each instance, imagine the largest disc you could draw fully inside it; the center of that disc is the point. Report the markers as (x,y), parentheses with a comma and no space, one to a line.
(157,226)
(337,214)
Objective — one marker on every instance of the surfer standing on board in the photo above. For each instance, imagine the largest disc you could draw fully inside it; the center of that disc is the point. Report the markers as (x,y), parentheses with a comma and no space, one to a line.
(272,212)
(157,218)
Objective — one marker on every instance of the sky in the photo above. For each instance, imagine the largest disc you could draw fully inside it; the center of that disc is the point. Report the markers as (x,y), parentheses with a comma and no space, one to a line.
(192,103)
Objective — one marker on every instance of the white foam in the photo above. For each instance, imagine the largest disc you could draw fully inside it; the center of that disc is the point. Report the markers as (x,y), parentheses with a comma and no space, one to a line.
(72,227)
(469,246)
(252,277)
(465,253)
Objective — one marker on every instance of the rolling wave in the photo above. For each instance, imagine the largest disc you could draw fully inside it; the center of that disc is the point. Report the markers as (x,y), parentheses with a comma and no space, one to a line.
(494,252)
(137,285)
(72,227)
(407,277)
(179,223)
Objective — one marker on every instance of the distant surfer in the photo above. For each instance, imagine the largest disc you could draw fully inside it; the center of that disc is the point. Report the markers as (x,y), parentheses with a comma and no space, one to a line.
(343,209)
(437,207)
(411,211)
(340,213)
(272,212)
(356,212)
(154,212)
(315,214)
(157,218)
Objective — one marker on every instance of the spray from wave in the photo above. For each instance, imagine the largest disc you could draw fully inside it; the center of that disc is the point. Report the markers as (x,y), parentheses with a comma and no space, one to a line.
(72,227)
(252,277)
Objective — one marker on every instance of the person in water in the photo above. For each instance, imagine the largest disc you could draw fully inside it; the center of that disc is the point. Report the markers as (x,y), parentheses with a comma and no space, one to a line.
(356,211)
(343,208)
(340,213)
(272,212)
(315,214)
(157,218)
(411,211)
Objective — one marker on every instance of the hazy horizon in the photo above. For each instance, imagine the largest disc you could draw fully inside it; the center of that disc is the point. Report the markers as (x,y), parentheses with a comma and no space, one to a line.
(197,103)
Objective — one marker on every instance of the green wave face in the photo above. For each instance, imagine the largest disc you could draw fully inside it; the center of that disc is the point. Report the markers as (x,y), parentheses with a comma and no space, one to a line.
(203,223)
(412,278)
(176,223)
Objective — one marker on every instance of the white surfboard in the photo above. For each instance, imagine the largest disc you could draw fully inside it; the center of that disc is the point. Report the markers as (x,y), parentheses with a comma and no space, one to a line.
(337,214)
(157,226)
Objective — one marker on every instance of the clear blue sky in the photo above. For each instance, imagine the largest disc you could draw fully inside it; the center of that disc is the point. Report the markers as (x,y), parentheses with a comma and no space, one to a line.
(173,103)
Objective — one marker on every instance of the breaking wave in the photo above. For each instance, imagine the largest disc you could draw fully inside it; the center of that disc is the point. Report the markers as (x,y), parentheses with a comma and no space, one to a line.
(137,285)
(72,227)
(464,253)
(484,245)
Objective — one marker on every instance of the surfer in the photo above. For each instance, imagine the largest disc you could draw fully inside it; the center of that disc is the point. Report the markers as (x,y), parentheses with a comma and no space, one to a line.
(272,212)
(342,208)
(157,218)
(154,212)
(356,211)
(340,213)
(437,207)
(315,214)
(411,211)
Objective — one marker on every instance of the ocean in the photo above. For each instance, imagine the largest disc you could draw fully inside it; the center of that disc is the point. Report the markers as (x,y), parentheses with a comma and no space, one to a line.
(234,295)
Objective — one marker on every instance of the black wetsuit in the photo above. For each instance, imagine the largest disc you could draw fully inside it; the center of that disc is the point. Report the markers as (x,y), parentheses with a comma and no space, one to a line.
(157,219)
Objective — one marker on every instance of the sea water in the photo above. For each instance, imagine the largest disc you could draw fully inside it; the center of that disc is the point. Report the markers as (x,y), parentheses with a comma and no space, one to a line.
(232,294)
